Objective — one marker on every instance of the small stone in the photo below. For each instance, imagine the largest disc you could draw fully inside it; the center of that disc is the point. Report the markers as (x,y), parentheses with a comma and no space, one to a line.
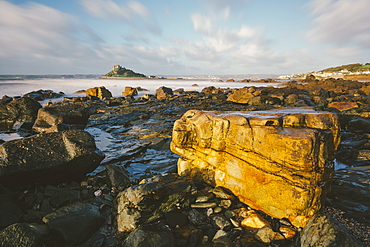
(219,221)
(196,218)
(219,233)
(225,203)
(265,234)
(217,210)
(98,193)
(229,214)
(234,222)
(288,232)
(220,193)
(204,205)
(254,221)
(202,199)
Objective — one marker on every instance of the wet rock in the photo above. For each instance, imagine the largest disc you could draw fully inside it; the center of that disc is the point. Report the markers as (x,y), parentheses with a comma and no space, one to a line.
(153,237)
(209,142)
(10,210)
(43,94)
(22,234)
(76,223)
(324,231)
(22,109)
(163,93)
(130,91)
(361,124)
(100,92)
(117,176)
(66,116)
(52,157)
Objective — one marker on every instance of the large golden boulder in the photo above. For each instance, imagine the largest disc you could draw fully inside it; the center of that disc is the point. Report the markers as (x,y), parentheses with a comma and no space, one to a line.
(278,161)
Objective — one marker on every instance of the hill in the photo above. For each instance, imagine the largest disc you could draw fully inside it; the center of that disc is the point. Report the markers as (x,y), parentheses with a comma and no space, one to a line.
(122,72)
(356,67)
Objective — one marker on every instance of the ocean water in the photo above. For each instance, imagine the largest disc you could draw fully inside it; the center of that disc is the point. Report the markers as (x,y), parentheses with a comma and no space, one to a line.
(116,86)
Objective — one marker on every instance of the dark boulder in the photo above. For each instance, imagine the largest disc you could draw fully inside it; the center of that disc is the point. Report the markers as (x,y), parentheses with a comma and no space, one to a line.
(76,222)
(52,157)
(74,114)
(43,94)
(24,235)
(18,109)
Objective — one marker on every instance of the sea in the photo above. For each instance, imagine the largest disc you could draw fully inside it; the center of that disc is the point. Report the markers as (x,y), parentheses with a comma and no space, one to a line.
(68,86)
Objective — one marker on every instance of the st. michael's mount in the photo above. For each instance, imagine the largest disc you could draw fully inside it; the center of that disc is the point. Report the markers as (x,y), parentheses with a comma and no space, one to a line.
(121,72)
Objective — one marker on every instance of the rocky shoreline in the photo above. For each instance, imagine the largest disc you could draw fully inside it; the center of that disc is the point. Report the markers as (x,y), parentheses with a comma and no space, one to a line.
(134,194)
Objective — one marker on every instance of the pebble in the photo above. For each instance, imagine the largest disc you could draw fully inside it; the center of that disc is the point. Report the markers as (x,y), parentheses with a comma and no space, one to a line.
(204,205)
(220,193)
(202,199)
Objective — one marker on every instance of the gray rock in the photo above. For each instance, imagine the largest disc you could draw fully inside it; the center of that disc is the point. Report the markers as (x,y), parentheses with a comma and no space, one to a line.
(220,222)
(75,114)
(118,176)
(18,109)
(145,238)
(76,223)
(128,219)
(24,235)
(324,231)
(48,158)
(197,218)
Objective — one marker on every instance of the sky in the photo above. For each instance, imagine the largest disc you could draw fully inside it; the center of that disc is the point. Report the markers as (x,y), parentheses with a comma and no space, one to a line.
(172,37)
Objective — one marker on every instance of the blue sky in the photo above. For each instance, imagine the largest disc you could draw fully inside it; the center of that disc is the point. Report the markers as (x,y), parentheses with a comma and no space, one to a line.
(194,37)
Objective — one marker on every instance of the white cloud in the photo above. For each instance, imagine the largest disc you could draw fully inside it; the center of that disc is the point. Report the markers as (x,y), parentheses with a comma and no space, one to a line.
(134,13)
(340,22)
(107,9)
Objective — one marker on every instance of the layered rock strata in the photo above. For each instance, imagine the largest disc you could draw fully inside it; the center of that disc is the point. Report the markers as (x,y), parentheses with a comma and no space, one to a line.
(279,161)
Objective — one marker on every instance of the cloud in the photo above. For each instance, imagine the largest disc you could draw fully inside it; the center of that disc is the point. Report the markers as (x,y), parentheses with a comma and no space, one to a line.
(224,49)
(340,22)
(134,13)
(107,9)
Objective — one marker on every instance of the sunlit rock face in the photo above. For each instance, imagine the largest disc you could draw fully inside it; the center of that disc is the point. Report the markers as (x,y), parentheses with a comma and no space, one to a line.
(278,161)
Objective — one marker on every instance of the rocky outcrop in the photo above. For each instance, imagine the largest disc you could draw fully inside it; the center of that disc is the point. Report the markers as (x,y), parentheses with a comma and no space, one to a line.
(18,109)
(51,157)
(130,91)
(100,92)
(163,93)
(63,117)
(279,162)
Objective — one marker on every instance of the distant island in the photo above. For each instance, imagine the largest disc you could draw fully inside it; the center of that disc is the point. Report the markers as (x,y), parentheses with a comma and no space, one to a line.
(356,71)
(121,72)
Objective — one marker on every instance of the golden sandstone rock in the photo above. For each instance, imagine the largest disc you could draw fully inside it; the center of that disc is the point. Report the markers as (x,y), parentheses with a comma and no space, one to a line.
(278,161)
